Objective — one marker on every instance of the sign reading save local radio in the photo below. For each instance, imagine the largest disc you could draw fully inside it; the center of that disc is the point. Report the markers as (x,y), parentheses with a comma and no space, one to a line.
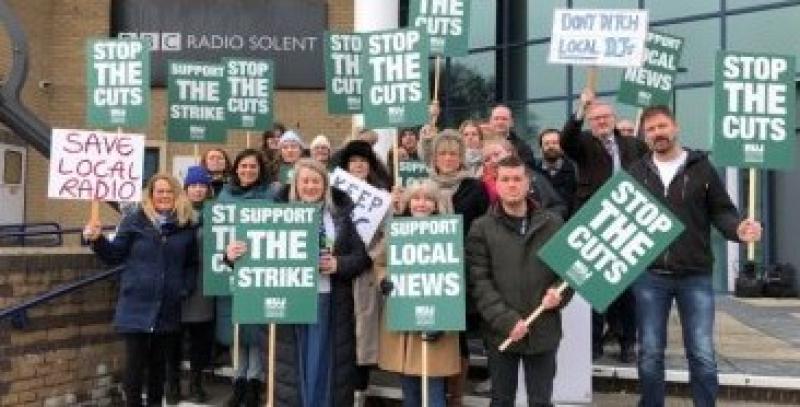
(196,98)
(611,240)
(395,88)
(426,268)
(652,83)
(118,83)
(754,120)
(95,165)
(598,37)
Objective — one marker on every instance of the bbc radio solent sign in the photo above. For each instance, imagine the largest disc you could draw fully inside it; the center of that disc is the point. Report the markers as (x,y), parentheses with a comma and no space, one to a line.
(288,32)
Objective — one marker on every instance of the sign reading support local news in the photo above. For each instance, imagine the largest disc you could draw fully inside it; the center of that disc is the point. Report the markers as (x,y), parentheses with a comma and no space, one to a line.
(219,229)
(343,72)
(598,37)
(91,165)
(411,171)
(276,279)
(395,88)
(445,21)
(371,204)
(754,120)
(249,90)
(118,83)
(652,83)
(196,94)
(426,267)
(611,240)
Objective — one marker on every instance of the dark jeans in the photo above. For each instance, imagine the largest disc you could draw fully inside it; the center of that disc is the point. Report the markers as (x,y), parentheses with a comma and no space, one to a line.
(412,391)
(540,369)
(621,318)
(201,339)
(146,352)
(695,299)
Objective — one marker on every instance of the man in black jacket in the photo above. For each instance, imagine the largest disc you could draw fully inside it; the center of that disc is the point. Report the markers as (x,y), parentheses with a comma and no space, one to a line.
(599,153)
(687,183)
(501,122)
(557,168)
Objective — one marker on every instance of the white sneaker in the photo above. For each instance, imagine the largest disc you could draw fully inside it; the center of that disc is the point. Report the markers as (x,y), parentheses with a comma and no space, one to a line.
(483,387)
(359,399)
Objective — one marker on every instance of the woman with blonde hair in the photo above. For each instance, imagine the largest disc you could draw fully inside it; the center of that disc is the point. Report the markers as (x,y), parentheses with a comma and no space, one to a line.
(158,246)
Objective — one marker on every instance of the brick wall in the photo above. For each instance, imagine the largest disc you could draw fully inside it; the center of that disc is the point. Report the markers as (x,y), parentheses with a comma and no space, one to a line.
(68,354)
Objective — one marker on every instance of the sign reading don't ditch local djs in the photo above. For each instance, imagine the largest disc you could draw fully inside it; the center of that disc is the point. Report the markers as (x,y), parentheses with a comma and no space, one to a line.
(598,37)
(118,83)
(343,72)
(611,240)
(426,268)
(196,98)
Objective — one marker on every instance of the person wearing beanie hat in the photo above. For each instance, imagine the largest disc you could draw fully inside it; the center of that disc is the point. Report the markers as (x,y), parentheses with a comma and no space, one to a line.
(291,149)
(321,149)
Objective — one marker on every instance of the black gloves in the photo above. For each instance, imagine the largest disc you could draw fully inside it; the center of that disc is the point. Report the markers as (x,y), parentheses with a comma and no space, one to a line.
(386,286)
(431,336)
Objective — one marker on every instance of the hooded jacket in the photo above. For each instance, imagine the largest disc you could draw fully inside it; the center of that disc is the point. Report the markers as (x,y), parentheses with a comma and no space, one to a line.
(697,196)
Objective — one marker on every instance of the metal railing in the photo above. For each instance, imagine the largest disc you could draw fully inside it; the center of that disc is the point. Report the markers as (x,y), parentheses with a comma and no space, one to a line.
(44,234)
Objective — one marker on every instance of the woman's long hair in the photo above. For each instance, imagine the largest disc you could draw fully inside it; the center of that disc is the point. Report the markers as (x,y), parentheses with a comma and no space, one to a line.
(184,213)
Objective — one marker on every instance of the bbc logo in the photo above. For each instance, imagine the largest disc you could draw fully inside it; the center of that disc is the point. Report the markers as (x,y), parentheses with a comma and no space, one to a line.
(158,41)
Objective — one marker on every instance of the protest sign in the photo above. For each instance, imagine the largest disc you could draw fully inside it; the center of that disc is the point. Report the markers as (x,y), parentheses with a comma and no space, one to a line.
(118,83)
(196,98)
(395,88)
(219,229)
(754,120)
(371,203)
(343,72)
(598,37)
(95,165)
(426,268)
(445,21)
(249,88)
(652,83)
(412,171)
(276,279)
(611,240)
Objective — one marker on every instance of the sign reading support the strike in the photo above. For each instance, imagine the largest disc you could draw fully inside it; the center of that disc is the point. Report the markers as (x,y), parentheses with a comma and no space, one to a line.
(611,240)
(196,93)
(754,120)
(249,90)
(445,21)
(395,88)
(426,268)
(219,229)
(412,171)
(371,203)
(343,72)
(652,83)
(598,37)
(118,83)
(276,280)
(97,165)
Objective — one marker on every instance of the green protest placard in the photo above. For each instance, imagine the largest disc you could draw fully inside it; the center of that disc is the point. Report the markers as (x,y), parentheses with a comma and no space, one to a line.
(426,267)
(196,102)
(611,240)
(343,72)
(652,83)
(411,171)
(118,83)
(445,21)
(754,110)
(249,87)
(276,280)
(395,88)
(219,229)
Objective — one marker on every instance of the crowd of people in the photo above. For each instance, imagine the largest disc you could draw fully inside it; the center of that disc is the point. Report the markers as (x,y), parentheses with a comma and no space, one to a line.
(511,204)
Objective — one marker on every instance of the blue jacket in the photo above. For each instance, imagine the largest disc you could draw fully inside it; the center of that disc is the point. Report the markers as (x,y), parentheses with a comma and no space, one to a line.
(159,272)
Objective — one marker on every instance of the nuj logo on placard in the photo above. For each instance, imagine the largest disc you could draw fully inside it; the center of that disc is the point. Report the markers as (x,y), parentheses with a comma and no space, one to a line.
(354,102)
(275,307)
(396,113)
(248,121)
(197,132)
(425,314)
(579,273)
(754,153)
(644,97)
(117,116)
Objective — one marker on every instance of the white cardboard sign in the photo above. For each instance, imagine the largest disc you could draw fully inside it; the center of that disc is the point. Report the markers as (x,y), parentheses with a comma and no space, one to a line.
(371,203)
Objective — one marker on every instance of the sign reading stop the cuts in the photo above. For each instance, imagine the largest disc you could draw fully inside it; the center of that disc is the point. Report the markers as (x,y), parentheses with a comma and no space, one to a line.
(95,165)
(395,88)
(426,268)
(598,37)
(343,72)
(652,83)
(276,280)
(611,240)
(196,98)
(250,93)
(118,83)
(755,111)
(445,21)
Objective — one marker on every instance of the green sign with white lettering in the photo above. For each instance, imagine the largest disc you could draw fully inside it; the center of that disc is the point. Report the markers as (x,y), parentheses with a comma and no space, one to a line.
(412,171)
(196,94)
(219,220)
(613,238)
(754,110)
(343,79)
(445,21)
(118,83)
(276,281)
(395,88)
(250,89)
(652,83)
(426,268)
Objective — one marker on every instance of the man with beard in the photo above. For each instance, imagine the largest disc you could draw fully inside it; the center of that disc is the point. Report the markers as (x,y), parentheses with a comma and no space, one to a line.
(599,153)
(557,168)
(685,182)
(501,122)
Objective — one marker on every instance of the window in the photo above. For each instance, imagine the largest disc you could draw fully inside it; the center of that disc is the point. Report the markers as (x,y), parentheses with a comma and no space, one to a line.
(471,79)
(701,41)
(693,110)
(12,167)
(544,80)
(540,17)
(152,161)
(662,10)
(776,31)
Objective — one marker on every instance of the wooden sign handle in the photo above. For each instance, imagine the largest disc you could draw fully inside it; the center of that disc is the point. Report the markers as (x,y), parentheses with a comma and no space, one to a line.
(751,211)
(424,378)
(271,366)
(532,317)
(591,78)
(94,213)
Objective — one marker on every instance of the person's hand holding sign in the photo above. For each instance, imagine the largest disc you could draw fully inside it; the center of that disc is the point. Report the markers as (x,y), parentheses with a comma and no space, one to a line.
(235,250)
(587,97)
(327,262)
(519,331)
(92,231)
(552,299)
(749,230)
